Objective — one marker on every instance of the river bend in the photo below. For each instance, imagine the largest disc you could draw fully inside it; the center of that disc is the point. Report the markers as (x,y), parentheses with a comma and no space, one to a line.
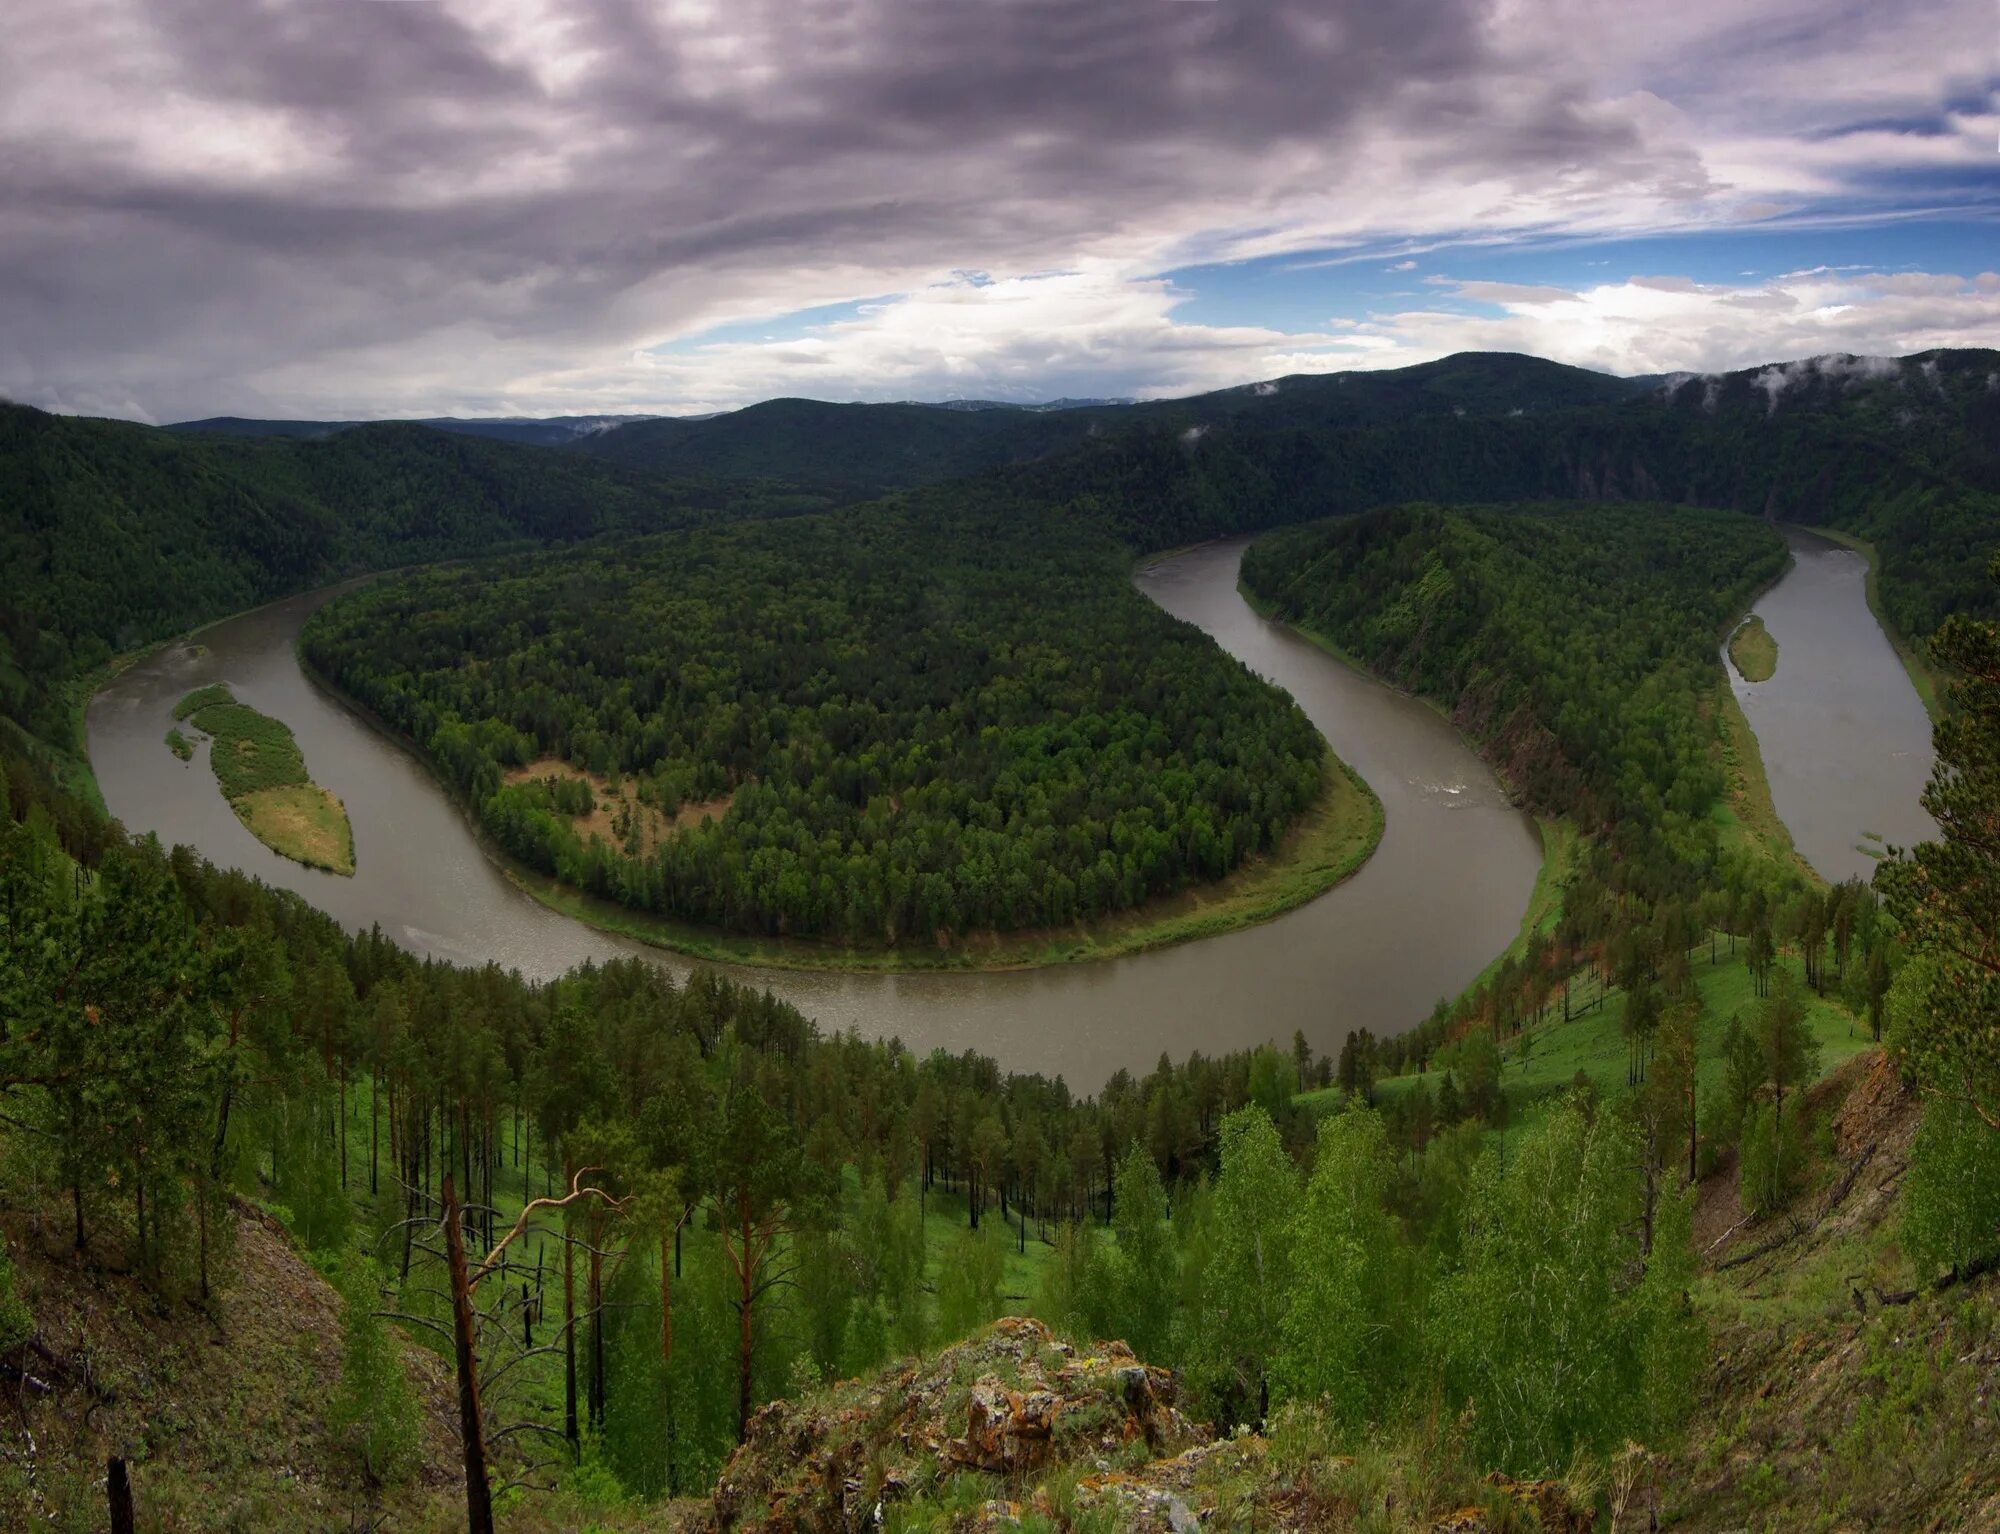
(1442,895)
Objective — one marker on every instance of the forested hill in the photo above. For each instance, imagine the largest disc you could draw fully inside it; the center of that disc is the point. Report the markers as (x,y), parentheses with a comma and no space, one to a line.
(903,722)
(866,449)
(531,431)
(113,534)
(1904,452)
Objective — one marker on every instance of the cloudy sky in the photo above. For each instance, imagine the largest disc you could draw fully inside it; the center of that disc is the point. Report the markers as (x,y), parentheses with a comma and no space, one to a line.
(349,208)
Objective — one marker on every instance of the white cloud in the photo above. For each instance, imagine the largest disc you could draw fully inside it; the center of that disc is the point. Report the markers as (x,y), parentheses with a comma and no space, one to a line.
(1095,332)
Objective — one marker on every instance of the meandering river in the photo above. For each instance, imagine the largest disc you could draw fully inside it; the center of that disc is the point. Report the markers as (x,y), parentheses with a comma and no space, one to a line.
(1442,895)
(1845,739)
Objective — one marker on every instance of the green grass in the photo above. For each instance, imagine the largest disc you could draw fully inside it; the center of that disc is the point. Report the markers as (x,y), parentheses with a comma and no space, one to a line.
(1748,819)
(250,751)
(201,698)
(303,822)
(1593,1042)
(262,773)
(1753,651)
(179,744)
(1327,845)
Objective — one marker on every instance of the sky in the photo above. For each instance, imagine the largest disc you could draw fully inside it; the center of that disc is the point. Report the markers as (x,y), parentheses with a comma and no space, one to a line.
(357,208)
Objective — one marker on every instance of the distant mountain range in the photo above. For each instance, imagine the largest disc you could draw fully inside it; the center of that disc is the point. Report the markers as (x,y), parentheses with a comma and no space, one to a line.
(531,431)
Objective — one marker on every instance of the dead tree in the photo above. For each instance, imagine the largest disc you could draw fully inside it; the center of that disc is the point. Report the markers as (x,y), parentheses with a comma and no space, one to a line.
(469,1324)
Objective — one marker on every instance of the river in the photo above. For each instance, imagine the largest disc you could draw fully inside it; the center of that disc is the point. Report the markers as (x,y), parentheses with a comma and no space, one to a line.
(1844,736)
(1443,894)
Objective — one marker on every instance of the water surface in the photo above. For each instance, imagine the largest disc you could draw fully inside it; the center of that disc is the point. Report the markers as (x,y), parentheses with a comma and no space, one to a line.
(1442,895)
(1845,739)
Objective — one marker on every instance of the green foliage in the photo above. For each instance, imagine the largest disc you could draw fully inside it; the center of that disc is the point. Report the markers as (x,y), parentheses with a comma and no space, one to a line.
(1064,1297)
(1576,644)
(1771,1166)
(250,751)
(905,723)
(1946,893)
(117,535)
(1535,1330)
(1672,1339)
(1951,1198)
(17,1322)
(1131,1287)
(1238,1309)
(179,744)
(374,1411)
(968,1287)
(1344,1341)
(211,696)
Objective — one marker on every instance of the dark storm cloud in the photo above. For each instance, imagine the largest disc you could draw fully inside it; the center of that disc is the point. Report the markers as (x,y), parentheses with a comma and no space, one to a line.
(201,191)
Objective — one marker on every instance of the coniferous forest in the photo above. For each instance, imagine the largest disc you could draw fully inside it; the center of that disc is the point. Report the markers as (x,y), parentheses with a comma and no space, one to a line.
(890,725)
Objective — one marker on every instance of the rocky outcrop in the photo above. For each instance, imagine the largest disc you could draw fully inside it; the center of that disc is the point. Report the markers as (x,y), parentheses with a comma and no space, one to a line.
(1014,1402)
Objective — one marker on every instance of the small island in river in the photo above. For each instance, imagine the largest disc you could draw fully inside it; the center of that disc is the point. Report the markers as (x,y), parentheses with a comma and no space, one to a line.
(1752,650)
(262,774)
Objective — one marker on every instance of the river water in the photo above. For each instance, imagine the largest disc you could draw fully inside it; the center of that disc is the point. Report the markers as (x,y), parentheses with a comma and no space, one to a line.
(1844,736)
(1442,895)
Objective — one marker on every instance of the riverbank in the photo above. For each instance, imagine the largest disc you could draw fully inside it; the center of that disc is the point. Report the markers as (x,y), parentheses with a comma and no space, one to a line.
(1561,837)
(1932,684)
(1747,815)
(1328,844)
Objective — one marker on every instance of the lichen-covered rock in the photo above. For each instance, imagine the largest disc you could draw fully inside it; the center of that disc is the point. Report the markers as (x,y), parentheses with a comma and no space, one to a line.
(1013,1402)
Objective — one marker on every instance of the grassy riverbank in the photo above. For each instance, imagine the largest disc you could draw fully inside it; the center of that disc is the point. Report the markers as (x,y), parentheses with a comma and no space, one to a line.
(1752,650)
(1748,818)
(1327,845)
(258,766)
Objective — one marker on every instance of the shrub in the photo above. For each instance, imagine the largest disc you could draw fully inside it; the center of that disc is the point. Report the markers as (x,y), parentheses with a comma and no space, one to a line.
(374,1408)
(1951,1203)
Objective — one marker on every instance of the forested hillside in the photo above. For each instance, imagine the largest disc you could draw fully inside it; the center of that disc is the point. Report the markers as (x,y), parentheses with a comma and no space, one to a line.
(1394,1275)
(114,535)
(1578,646)
(867,449)
(901,723)
(117,534)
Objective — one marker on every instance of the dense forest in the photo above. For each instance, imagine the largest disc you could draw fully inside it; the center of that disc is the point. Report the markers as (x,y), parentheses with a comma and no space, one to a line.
(740,1204)
(1904,452)
(114,535)
(1576,644)
(901,723)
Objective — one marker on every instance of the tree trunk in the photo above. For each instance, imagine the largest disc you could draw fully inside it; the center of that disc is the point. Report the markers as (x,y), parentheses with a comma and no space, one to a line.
(569,1343)
(745,1272)
(472,1433)
(118,1489)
